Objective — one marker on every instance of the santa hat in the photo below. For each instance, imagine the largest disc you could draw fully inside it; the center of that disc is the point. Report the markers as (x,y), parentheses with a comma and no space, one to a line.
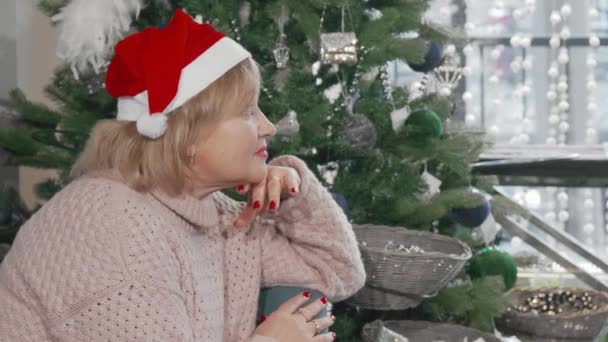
(156,70)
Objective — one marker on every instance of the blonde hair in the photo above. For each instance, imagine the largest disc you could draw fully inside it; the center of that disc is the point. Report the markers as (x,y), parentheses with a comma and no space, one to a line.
(115,148)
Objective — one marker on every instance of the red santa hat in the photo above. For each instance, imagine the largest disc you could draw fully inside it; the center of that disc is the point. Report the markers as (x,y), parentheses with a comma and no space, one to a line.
(156,70)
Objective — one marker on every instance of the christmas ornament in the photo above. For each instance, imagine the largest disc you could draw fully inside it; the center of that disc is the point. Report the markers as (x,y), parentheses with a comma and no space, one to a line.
(338,47)
(432,59)
(472,217)
(493,261)
(422,125)
(446,78)
(288,126)
(398,117)
(333,93)
(89,29)
(359,132)
(280,50)
(244,13)
(342,202)
(433,185)
(486,233)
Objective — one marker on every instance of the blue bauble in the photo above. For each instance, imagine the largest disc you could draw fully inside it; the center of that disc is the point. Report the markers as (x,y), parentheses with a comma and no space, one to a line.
(472,217)
(432,59)
(341,200)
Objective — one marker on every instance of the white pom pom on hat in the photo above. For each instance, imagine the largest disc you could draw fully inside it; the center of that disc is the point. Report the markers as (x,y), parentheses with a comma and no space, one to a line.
(155,71)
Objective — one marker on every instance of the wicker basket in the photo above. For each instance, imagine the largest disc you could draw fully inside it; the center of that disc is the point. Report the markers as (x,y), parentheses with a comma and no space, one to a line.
(422,331)
(576,325)
(398,280)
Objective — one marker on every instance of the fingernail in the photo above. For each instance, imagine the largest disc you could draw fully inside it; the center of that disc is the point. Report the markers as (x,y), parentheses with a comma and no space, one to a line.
(263,318)
(293,190)
(240,188)
(323,300)
(333,318)
(333,335)
(256,204)
(306,294)
(273,205)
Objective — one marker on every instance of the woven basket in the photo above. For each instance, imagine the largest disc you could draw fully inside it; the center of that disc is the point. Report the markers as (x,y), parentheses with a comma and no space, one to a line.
(399,280)
(574,325)
(422,331)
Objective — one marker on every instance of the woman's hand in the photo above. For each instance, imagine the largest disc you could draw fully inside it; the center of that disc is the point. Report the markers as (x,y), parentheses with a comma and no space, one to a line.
(280,182)
(291,321)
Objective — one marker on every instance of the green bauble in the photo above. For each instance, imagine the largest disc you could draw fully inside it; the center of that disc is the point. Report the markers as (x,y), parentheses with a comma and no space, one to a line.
(422,125)
(492,261)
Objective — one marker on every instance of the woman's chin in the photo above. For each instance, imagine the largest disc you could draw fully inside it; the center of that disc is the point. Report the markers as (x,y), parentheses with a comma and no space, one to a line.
(258,174)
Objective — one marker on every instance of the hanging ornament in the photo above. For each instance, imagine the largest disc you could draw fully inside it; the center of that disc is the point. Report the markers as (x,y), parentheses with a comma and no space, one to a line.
(288,126)
(280,50)
(338,47)
(398,117)
(342,202)
(89,29)
(433,185)
(447,77)
(359,132)
(422,125)
(472,217)
(493,261)
(486,233)
(432,58)
(333,93)
(244,13)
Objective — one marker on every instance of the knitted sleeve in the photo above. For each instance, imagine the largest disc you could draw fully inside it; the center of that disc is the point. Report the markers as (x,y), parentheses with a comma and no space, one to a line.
(117,277)
(309,242)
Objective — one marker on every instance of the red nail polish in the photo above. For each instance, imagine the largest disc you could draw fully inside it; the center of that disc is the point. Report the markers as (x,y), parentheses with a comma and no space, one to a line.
(306,294)
(273,205)
(256,204)
(323,300)
(241,188)
(263,318)
(293,190)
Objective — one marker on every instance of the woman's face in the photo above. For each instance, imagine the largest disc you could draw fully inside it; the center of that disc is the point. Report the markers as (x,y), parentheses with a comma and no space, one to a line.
(233,152)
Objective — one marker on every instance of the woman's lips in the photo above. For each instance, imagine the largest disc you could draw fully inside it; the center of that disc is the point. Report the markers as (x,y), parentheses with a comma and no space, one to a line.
(262,153)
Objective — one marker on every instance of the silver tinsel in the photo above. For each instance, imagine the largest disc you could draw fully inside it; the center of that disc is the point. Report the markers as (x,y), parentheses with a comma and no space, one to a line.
(359,132)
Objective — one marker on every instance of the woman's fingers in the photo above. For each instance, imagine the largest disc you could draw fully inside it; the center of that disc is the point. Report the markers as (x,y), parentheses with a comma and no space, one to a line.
(274,193)
(243,189)
(256,201)
(294,303)
(280,183)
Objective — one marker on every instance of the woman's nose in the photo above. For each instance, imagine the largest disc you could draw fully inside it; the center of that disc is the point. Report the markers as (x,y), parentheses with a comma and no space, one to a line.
(267,128)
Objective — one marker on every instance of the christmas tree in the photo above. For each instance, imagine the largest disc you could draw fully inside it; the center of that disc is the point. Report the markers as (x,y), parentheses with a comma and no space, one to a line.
(392,156)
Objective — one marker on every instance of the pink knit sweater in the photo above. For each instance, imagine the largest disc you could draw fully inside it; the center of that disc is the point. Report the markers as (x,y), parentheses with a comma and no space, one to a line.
(101,262)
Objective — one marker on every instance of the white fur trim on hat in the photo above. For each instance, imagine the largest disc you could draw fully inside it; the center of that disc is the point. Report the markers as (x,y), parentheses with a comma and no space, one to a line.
(196,76)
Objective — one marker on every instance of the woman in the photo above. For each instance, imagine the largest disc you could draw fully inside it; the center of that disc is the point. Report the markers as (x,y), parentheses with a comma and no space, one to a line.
(142,246)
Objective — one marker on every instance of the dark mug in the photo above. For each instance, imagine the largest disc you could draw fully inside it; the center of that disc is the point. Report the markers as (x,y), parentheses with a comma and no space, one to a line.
(272,297)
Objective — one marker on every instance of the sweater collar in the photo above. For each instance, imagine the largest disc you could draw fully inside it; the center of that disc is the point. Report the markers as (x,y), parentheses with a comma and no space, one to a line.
(200,212)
